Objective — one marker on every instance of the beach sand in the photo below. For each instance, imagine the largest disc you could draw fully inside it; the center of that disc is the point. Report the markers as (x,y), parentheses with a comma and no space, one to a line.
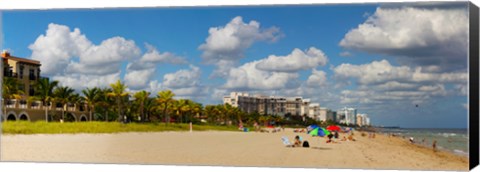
(226,149)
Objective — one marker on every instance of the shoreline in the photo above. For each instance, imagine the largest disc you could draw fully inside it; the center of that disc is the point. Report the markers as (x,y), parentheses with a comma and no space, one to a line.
(227,148)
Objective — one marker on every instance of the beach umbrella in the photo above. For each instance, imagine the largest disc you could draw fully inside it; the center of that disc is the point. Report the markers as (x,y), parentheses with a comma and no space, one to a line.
(312,127)
(333,128)
(325,131)
(314,132)
(319,132)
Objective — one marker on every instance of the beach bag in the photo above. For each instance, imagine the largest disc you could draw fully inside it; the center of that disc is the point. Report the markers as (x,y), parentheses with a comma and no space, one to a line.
(305,144)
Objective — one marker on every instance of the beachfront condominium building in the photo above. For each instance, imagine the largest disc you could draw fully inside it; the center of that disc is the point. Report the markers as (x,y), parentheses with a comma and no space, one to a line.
(268,105)
(326,114)
(294,105)
(331,115)
(304,110)
(360,121)
(322,114)
(27,72)
(363,120)
(314,111)
(347,116)
(243,101)
(257,103)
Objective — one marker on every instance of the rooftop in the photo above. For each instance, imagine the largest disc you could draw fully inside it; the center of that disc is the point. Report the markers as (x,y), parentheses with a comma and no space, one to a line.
(6,55)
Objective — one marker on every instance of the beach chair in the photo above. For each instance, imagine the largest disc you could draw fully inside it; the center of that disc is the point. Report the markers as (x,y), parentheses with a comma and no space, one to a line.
(286,142)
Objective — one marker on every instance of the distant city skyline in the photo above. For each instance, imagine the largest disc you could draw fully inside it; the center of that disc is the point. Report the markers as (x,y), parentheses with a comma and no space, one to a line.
(397,63)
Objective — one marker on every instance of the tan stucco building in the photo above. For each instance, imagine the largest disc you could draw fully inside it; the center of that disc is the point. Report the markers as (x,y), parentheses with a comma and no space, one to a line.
(27,73)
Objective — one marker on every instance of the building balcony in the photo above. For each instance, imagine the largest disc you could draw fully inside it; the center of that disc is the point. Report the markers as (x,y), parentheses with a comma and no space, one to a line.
(38,105)
(10,74)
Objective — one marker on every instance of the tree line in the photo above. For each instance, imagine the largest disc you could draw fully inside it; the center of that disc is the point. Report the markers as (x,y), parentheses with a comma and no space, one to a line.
(114,103)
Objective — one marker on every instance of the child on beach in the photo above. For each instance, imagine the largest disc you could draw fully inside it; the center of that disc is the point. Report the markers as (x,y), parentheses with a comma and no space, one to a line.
(297,142)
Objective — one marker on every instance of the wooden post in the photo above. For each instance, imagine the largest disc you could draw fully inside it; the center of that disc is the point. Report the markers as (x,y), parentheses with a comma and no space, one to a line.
(191,127)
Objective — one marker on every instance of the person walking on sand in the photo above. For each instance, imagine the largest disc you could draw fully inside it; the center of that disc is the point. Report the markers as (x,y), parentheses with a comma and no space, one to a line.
(434,145)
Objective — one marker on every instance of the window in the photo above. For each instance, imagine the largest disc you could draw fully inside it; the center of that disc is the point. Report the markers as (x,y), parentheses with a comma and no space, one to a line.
(31,91)
(32,74)
(21,71)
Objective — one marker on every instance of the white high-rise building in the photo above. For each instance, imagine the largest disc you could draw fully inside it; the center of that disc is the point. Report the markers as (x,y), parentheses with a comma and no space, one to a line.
(323,114)
(314,111)
(347,116)
(305,107)
(271,105)
(362,119)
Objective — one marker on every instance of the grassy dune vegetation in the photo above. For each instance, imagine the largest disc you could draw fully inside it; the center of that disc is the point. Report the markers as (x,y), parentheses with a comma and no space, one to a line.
(40,127)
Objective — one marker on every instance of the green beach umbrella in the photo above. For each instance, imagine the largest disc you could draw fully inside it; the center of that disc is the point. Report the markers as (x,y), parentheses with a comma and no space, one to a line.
(319,131)
(326,131)
(314,132)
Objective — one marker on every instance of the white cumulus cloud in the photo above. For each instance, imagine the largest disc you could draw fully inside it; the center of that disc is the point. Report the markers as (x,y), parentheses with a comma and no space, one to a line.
(295,61)
(420,36)
(248,76)
(317,78)
(229,42)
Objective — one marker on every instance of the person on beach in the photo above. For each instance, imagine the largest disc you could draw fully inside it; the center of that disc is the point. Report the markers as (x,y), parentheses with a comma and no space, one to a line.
(336,135)
(350,137)
(344,138)
(434,145)
(411,140)
(297,142)
(329,138)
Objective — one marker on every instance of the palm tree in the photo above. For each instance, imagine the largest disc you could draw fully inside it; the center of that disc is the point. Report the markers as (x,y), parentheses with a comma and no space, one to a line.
(196,109)
(164,98)
(104,101)
(184,108)
(10,91)
(63,95)
(228,112)
(44,92)
(210,112)
(91,97)
(219,112)
(141,97)
(118,92)
(150,106)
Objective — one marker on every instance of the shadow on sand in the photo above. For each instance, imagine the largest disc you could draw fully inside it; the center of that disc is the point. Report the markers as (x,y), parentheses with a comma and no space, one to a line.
(320,148)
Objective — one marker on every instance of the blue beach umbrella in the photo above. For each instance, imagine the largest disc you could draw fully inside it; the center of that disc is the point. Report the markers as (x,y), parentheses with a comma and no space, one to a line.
(312,127)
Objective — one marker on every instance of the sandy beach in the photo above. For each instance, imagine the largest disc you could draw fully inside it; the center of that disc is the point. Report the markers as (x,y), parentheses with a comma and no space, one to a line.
(226,149)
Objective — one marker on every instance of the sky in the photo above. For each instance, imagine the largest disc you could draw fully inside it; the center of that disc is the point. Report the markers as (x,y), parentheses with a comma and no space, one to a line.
(382,59)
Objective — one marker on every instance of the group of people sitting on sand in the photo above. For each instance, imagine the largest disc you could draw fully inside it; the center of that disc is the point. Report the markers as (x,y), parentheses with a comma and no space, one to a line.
(298,142)
(299,130)
(336,136)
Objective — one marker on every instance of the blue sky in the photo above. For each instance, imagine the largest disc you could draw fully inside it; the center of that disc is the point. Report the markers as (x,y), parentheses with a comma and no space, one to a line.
(382,60)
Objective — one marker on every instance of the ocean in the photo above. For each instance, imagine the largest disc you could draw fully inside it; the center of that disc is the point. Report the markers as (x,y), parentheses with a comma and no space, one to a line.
(452,140)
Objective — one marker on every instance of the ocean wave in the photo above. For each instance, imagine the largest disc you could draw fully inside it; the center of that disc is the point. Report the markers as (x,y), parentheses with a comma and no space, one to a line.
(460,152)
(447,134)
